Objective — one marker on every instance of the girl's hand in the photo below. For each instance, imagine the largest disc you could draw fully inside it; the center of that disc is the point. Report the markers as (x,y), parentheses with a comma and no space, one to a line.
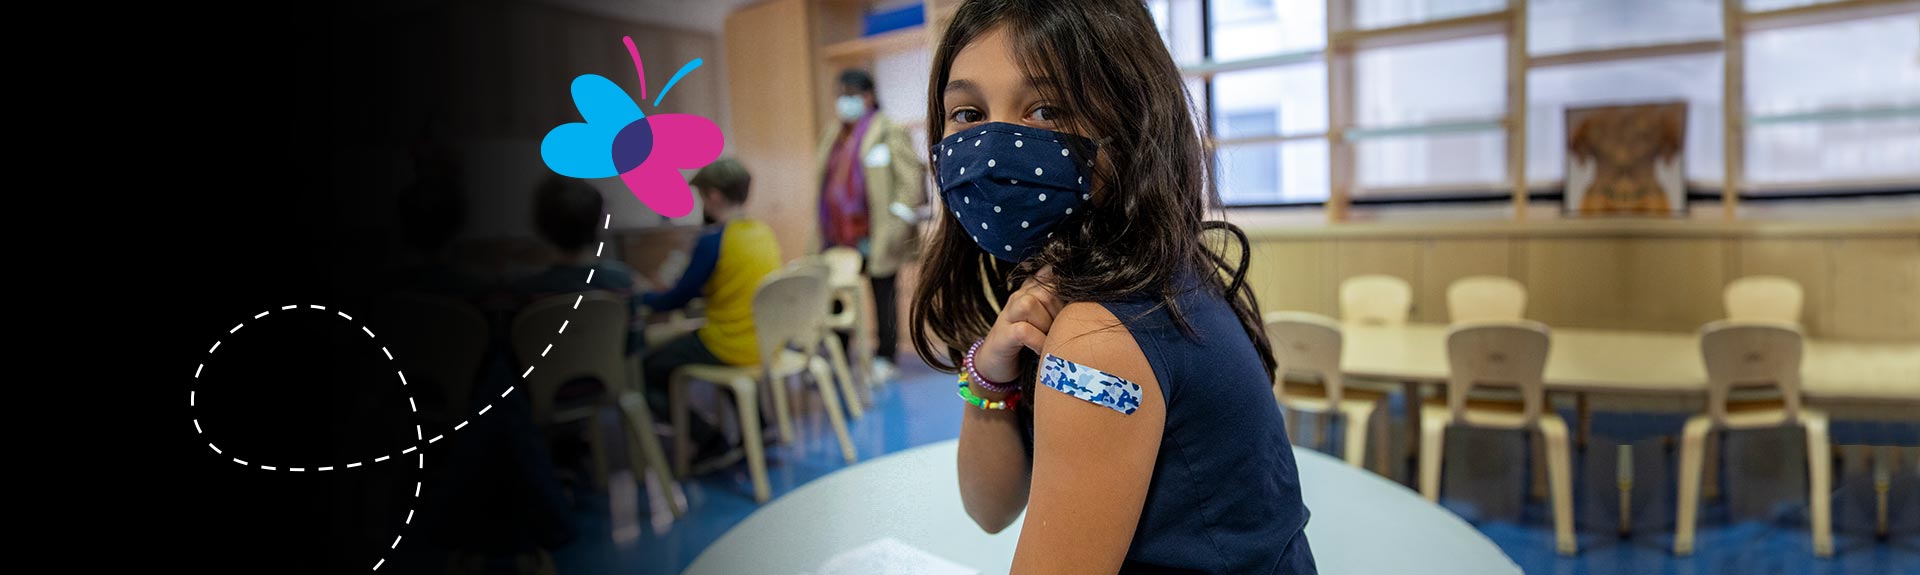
(1023,324)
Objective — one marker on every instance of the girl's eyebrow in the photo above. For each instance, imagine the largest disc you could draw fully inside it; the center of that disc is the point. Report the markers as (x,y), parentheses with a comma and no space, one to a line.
(963,86)
(1038,86)
(968,88)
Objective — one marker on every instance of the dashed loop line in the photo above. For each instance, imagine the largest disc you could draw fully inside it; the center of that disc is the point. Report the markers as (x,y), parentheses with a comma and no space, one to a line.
(193,400)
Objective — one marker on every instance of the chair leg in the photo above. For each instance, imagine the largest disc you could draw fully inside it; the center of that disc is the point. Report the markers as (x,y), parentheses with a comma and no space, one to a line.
(1324,432)
(1293,423)
(1884,459)
(749,401)
(1410,397)
(677,409)
(782,406)
(597,447)
(1433,429)
(1355,441)
(1539,467)
(1560,473)
(1710,470)
(639,423)
(832,399)
(838,356)
(1692,445)
(1382,461)
(1585,415)
(1819,481)
(1623,479)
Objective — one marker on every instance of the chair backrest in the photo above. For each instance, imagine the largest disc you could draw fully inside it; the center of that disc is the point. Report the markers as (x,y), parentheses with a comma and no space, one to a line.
(439,341)
(843,266)
(790,310)
(1305,344)
(1375,299)
(588,335)
(1486,298)
(1751,354)
(1509,354)
(1764,298)
(844,283)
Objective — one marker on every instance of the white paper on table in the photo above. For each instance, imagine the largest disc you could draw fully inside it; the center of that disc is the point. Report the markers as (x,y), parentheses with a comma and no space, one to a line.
(890,557)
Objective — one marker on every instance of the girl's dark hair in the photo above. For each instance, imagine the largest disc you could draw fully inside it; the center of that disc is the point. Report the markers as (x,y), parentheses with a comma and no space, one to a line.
(1106,68)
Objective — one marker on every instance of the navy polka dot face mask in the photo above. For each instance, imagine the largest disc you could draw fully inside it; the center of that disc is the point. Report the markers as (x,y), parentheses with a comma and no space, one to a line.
(1008,185)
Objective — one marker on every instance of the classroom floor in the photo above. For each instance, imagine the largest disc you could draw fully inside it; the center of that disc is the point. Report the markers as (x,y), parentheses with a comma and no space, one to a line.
(919,409)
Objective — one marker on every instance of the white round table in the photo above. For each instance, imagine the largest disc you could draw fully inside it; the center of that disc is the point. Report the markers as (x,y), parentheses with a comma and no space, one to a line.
(1361,523)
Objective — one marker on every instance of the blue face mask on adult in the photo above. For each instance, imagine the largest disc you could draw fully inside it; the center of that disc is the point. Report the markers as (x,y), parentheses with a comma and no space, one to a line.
(1009,185)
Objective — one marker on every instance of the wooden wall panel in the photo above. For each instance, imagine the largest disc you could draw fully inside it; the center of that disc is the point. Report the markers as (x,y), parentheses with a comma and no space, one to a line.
(1576,282)
(775,130)
(1293,276)
(1876,288)
(1672,284)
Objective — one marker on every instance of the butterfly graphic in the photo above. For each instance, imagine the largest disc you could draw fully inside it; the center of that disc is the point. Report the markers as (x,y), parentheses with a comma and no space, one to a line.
(617,139)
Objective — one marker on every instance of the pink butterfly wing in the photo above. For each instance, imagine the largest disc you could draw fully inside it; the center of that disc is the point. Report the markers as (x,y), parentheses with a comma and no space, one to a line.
(680,141)
(661,188)
(684,141)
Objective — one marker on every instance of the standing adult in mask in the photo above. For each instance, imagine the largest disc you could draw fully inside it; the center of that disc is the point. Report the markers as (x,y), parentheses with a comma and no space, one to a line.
(871,181)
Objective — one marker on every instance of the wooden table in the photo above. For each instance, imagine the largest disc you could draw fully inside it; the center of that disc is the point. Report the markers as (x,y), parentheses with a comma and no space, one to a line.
(1642,363)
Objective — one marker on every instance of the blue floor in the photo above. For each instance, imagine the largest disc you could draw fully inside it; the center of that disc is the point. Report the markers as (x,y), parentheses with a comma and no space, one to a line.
(921,409)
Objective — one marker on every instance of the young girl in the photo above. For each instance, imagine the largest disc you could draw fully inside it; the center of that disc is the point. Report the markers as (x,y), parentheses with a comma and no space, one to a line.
(1117,376)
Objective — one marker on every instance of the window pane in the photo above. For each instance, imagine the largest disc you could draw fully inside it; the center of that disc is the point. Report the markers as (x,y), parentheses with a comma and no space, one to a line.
(1694,79)
(1876,150)
(1161,18)
(1384,13)
(1179,25)
(1860,64)
(1434,162)
(1764,5)
(1557,26)
(1452,81)
(1251,28)
(1293,171)
(1274,101)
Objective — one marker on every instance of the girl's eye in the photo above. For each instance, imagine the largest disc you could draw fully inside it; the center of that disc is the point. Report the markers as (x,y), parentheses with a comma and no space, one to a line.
(964,116)
(1044,114)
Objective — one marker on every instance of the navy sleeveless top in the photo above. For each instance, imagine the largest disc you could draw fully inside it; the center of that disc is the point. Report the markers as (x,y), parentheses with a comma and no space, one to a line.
(1225,494)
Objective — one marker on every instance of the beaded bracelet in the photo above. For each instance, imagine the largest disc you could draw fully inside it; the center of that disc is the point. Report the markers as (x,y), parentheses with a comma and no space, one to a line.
(984,383)
(990,405)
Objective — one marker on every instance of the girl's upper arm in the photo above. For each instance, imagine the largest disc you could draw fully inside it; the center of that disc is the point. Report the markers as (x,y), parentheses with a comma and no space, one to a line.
(1099,415)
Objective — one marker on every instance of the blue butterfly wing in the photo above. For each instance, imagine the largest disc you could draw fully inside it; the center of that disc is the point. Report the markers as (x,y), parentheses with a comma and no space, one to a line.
(585,149)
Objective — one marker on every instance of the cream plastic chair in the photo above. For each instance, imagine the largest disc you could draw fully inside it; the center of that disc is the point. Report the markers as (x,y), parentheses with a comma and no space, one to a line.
(643,436)
(1382,300)
(1507,354)
(585,334)
(588,335)
(1764,298)
(1753,298)
(1375,299)
(1748,355)
(1307,344)
(847,287)
(1486,298)
(789,309)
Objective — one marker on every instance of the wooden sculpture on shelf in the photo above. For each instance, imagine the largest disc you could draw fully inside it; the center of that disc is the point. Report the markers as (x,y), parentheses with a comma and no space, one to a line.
(1626,159)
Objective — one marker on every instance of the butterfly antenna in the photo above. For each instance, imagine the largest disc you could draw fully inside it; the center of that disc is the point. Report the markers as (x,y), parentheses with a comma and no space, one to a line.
(674,80)
(641,68)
